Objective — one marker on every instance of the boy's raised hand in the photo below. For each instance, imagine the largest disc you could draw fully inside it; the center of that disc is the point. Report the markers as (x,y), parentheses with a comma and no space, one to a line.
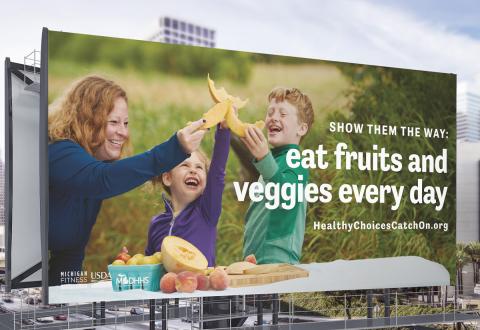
(256,142)
(190,136)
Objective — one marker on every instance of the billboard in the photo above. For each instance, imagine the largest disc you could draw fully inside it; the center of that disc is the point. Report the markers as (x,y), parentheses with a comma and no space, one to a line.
(21,197)
(241,173)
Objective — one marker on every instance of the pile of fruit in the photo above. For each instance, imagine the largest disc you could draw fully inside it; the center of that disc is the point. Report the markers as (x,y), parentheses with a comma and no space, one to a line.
(186,267)
(123,258)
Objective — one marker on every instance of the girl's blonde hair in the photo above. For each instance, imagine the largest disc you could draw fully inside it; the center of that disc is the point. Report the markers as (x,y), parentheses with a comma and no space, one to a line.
(81,114)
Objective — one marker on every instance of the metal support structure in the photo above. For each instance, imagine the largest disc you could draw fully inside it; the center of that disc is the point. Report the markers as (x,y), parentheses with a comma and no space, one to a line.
(102,313)
(201,315)
(386,301)
(94,313)
(396,307)
(369,304)
(275,308)
(259,309)
(164,313)
(151,305)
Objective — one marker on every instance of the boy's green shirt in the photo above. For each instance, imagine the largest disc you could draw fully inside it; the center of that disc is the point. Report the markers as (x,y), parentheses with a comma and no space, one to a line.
(276,236)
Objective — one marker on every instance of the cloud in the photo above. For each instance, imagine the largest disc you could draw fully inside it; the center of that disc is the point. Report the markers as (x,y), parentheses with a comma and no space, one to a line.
(353,31)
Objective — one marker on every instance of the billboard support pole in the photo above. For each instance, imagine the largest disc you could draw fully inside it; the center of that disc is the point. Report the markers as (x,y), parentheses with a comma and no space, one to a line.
(152,313)
(396,307)
(94,313)
(275,308)
(102,313)
(164,314)
(386,299)
(259,310)
(369,304)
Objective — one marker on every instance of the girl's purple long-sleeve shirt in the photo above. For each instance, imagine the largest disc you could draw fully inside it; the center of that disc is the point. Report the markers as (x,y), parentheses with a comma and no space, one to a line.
(197,223)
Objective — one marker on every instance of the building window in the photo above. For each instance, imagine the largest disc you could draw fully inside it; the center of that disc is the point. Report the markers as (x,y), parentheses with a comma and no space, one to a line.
(167,21)
(198,30)
(182,26)
(190,28)
(175,24)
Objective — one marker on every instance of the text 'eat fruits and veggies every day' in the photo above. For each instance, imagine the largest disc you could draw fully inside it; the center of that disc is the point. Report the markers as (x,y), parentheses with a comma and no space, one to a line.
(286,195)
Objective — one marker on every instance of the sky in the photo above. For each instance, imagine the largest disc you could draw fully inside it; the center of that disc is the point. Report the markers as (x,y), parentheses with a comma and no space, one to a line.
(433,35)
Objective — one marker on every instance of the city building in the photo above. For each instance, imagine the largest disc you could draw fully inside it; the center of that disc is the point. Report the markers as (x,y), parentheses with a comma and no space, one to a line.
(468,116)
(176,31)
(468,198)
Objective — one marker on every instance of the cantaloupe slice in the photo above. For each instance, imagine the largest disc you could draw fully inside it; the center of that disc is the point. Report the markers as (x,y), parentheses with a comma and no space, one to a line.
(216,114)
(179,255)
(237,268)
(237,126)
(220,95)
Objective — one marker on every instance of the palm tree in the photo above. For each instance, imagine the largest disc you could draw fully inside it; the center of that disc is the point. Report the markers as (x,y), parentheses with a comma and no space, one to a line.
(462,259)
(464,255)
(473,250)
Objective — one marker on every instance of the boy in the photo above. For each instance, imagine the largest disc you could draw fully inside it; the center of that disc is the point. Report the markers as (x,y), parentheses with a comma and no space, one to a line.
(276,236)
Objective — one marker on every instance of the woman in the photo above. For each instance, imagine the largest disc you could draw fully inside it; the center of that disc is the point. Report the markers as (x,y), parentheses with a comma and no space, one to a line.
(88,133)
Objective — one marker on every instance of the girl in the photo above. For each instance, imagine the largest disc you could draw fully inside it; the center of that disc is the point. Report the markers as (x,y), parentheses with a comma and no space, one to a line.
(196,189)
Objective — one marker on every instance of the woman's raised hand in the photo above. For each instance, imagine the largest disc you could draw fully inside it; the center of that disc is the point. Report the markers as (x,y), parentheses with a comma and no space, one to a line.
(190,136)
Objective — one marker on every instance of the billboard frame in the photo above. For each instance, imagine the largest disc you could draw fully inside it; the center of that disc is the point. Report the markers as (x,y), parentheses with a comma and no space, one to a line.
(43,157)
(17,282)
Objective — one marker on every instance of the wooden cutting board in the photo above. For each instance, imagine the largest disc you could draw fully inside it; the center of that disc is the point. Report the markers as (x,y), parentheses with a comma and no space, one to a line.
(277,273)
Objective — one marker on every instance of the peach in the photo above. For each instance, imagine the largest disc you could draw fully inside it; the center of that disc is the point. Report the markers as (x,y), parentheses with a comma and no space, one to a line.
(167,283)
(203,282)
(123,256)
(251,258)
(186,282)
(219,279)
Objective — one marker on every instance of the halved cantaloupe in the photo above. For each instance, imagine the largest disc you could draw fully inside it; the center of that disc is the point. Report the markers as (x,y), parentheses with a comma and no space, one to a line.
(180,255)
(221,95)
